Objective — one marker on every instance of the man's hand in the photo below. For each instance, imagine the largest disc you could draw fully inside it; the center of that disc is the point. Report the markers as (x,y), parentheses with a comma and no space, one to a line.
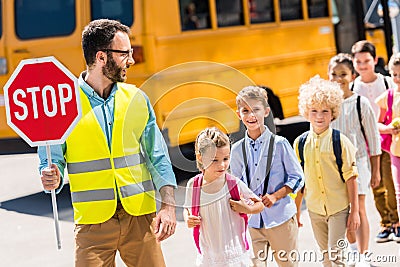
(51,177)
(165,221)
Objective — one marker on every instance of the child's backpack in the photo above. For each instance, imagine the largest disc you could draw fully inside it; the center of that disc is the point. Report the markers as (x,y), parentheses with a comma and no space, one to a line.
(233,190)
(337,149)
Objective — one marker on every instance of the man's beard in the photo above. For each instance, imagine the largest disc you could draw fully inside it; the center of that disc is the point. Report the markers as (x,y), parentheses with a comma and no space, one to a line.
(113,72)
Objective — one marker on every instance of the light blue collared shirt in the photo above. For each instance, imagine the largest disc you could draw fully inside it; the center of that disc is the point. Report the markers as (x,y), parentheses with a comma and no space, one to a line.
(285,171)
(152,141)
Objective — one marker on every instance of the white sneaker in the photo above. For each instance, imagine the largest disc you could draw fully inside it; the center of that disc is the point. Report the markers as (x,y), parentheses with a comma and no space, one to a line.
(353,257)
(362,262)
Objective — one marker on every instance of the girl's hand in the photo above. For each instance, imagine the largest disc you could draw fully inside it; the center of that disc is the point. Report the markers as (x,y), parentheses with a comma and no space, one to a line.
(239,206)
(193,221)
(395,130)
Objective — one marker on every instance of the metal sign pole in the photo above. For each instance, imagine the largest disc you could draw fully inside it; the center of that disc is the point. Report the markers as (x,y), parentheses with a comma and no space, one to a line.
(54,202)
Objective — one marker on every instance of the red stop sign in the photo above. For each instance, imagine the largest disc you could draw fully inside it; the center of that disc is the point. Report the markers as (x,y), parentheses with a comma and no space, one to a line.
(42,101)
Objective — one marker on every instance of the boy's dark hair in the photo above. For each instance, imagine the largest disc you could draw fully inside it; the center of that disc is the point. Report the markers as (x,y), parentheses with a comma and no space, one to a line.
(98,35)
(363,46)
(342,58)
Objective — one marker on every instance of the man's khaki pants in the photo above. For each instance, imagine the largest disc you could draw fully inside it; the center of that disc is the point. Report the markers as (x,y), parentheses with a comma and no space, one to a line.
(97,244)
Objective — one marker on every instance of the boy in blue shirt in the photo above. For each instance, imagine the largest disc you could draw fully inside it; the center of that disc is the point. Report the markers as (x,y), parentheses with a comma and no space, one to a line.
(276,226)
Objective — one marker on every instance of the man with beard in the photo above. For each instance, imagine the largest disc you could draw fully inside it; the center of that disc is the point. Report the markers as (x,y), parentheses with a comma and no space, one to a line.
(115,156)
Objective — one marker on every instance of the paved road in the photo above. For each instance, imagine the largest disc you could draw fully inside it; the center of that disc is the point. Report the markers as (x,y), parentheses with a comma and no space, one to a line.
(27,235)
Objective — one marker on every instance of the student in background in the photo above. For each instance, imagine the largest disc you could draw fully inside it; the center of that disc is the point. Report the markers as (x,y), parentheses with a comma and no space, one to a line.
(357,121)
(371,84)
(394,129)
(329,194)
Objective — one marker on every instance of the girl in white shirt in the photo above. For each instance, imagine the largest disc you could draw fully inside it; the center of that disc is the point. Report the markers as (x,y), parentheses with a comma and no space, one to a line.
(223,239)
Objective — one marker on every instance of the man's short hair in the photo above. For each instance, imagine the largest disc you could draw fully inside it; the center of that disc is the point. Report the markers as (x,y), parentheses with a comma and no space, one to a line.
(98,35)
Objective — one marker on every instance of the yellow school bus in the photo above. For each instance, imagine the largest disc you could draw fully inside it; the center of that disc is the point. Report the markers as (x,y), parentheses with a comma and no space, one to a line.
(277,43)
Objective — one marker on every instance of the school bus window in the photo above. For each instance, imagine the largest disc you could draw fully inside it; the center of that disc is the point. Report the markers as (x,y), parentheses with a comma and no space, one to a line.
(43,18)
(317,8)
(121,10)
(194,15)
(229,12)
(261,11)
(291,9)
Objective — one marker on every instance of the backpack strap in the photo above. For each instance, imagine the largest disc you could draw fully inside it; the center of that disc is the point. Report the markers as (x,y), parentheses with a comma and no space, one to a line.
(300,147)
(246,166)
(234,191)
(269,162)
(360,117)
(198,179)
(389,112)
(337,150)
(386,82)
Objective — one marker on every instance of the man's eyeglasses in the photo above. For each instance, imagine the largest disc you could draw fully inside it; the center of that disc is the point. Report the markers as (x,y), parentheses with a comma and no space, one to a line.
(125,52)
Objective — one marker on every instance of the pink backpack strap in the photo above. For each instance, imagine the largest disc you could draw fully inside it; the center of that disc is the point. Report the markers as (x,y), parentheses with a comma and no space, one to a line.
(234,191)
(390,105)
(198,179)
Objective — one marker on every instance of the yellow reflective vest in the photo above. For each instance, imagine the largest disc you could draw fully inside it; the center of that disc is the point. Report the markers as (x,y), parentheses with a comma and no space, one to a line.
(96,173)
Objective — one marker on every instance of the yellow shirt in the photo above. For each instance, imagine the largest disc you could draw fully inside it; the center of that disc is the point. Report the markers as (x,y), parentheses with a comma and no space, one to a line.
(326,193)
(382,103)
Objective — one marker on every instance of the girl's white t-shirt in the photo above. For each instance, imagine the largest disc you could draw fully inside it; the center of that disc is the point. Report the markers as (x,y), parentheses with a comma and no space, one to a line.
(221,228)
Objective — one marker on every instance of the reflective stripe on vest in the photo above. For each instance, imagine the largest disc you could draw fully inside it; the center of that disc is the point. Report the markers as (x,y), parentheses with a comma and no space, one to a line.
(92,195)
(108,194)
(104,164)
(134,189)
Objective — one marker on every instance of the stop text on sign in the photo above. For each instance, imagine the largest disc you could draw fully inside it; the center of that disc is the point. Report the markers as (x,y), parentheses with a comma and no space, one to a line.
(48,95)
(42,101)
